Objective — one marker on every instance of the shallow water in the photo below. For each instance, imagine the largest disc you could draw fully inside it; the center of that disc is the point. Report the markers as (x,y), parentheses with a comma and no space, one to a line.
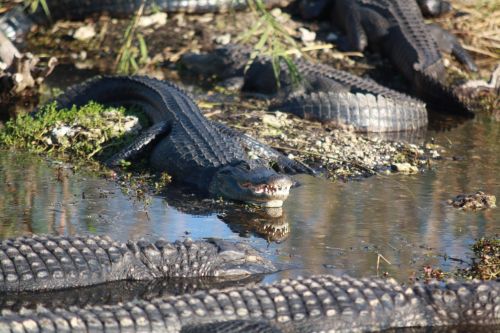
(397,223)
(341,227)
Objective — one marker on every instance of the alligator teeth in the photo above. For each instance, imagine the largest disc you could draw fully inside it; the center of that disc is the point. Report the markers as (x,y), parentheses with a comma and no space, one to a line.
(266,189)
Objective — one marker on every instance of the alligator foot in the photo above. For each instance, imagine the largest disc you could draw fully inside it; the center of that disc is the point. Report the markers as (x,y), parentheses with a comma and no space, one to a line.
(448,43)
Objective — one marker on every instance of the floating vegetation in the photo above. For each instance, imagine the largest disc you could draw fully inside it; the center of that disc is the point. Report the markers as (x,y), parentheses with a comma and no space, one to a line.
(475,201)
(84,136)
(486,261)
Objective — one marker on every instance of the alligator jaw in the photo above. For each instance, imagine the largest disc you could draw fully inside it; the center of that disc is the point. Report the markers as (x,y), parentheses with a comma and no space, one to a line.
(268,204)
(258,186)
(270,194)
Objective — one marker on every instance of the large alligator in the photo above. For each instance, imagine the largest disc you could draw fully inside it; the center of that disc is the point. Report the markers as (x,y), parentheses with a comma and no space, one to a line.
(324,93)
(40,263)
(16,22)
(205,155)
(20,19)
(397,29)
(324,303)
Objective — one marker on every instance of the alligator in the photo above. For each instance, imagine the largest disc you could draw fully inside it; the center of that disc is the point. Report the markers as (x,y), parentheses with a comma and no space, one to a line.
(41,263)
(19,20)
(397,29)
(322,303)
(207,156)
(434,7)
(16,22)
(325,93)
(270,224)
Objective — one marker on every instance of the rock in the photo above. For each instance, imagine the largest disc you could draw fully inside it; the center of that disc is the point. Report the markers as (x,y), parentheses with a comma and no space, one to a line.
(85,32)
(131,125)
(223,39)
(272,120)
(61,131)
(276,12)
(155,20)
(233,83)
(307,36)
(405,168)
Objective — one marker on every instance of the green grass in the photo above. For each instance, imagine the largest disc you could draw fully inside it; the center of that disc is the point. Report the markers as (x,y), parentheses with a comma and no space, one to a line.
(33,5)
(95,135)
(273,40)
(134,50)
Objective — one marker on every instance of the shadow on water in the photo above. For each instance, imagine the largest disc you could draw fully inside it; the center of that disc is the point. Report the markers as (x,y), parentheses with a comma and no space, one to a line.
(116,292)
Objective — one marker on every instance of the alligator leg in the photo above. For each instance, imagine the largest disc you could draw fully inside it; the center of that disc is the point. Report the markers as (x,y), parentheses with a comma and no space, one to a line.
(356,33)
(359,23)
(146,140)
(448,43)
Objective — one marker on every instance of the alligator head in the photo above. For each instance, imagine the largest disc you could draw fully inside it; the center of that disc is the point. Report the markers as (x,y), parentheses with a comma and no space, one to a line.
(227,61)
(260,186)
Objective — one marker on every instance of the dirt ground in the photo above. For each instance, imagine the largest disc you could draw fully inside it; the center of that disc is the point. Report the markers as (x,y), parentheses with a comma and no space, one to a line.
(339,153)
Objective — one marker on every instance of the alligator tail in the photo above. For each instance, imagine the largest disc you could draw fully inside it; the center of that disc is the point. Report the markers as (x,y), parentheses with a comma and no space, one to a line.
(363,112)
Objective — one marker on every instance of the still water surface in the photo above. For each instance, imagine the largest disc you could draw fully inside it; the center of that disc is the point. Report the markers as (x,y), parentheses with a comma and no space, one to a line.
(325,226)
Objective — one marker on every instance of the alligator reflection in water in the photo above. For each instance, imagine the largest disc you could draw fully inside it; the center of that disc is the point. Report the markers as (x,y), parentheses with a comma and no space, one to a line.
(269,223)
(119,292)
(61,202)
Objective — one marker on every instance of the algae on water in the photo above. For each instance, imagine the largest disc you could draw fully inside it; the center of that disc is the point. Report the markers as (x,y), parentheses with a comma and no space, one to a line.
(79,132)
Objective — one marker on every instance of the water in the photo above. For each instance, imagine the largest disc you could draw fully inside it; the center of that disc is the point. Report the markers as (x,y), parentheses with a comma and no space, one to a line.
(392,225)
(333,227)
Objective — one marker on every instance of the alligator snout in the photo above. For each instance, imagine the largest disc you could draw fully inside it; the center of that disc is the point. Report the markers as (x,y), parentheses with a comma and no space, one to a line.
(259,186)
(272,193)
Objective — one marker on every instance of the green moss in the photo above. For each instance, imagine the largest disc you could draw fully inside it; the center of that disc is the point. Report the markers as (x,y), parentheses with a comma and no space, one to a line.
(91,130)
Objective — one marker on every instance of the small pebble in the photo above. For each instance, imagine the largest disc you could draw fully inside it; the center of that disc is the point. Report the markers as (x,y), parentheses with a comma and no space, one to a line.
(85,32)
